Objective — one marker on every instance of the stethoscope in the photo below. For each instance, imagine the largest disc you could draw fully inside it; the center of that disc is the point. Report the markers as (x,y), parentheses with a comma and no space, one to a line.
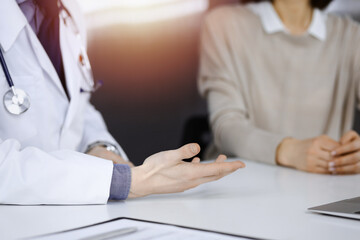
(17,101)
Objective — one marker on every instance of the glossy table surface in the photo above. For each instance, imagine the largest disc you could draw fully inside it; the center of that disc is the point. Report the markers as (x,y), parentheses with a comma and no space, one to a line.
(260,201)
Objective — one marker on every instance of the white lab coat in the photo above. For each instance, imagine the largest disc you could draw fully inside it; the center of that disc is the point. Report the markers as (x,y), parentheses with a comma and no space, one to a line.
(40,151)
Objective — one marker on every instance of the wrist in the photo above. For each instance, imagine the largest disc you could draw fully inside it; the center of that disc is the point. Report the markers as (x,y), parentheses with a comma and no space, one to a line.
(283,152)
(139,186)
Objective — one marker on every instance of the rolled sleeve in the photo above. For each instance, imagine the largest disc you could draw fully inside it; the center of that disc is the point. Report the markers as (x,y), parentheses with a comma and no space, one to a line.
(120,183)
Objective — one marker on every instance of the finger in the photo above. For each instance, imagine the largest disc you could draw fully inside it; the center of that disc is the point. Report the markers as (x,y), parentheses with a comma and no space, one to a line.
(349,147)
(349,169)
(348,137)
(196,160)
(218,168)
(185,152)
(320,170)
(349,159)
(324,155)
(327,143)
(203,180)
(320,163)
(221,158)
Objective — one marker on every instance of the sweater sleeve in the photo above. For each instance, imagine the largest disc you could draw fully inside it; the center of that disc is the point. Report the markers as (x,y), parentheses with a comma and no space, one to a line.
(356,60)
(234,130)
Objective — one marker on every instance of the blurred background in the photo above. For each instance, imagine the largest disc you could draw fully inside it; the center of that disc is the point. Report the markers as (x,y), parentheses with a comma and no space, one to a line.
(147,54)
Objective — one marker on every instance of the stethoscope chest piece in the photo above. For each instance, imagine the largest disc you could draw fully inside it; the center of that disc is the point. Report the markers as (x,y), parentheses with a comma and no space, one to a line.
(16,101)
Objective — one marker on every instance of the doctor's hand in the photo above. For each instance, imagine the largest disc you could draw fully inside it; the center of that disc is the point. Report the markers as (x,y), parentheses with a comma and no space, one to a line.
(347,155)
(310,155)
(166,172)
(102,152)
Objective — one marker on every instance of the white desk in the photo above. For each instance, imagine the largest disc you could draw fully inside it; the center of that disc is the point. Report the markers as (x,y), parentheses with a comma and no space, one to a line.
(261,201)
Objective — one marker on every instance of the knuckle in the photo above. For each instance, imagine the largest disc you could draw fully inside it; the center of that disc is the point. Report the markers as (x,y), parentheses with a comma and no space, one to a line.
(316,140)
(312,150)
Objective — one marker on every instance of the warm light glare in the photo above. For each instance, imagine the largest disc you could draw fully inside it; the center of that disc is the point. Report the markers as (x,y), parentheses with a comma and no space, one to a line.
(90,6)
(142,3)
(110,12)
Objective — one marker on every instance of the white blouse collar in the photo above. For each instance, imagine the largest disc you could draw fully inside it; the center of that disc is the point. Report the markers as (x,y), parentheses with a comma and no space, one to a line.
(272,23)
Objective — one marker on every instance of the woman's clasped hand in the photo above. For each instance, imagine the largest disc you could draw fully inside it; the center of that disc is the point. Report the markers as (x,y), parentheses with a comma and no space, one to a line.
(322,154)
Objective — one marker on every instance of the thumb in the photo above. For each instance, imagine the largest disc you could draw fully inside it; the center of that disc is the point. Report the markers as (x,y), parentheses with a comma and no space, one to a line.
(348,137)
(185,152)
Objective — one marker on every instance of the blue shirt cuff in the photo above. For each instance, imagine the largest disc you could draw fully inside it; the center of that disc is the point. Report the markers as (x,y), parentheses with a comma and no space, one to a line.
(120,182)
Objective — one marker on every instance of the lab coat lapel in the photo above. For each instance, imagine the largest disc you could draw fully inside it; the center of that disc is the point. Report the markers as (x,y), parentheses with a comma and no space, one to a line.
(69,51)
(12,21)
(45,61)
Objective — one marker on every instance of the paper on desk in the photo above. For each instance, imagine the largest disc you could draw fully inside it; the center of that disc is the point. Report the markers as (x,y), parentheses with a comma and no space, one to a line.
(146,230)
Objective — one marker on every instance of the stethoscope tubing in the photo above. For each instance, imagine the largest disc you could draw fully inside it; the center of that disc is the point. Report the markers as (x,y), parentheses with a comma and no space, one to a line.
(6,70)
